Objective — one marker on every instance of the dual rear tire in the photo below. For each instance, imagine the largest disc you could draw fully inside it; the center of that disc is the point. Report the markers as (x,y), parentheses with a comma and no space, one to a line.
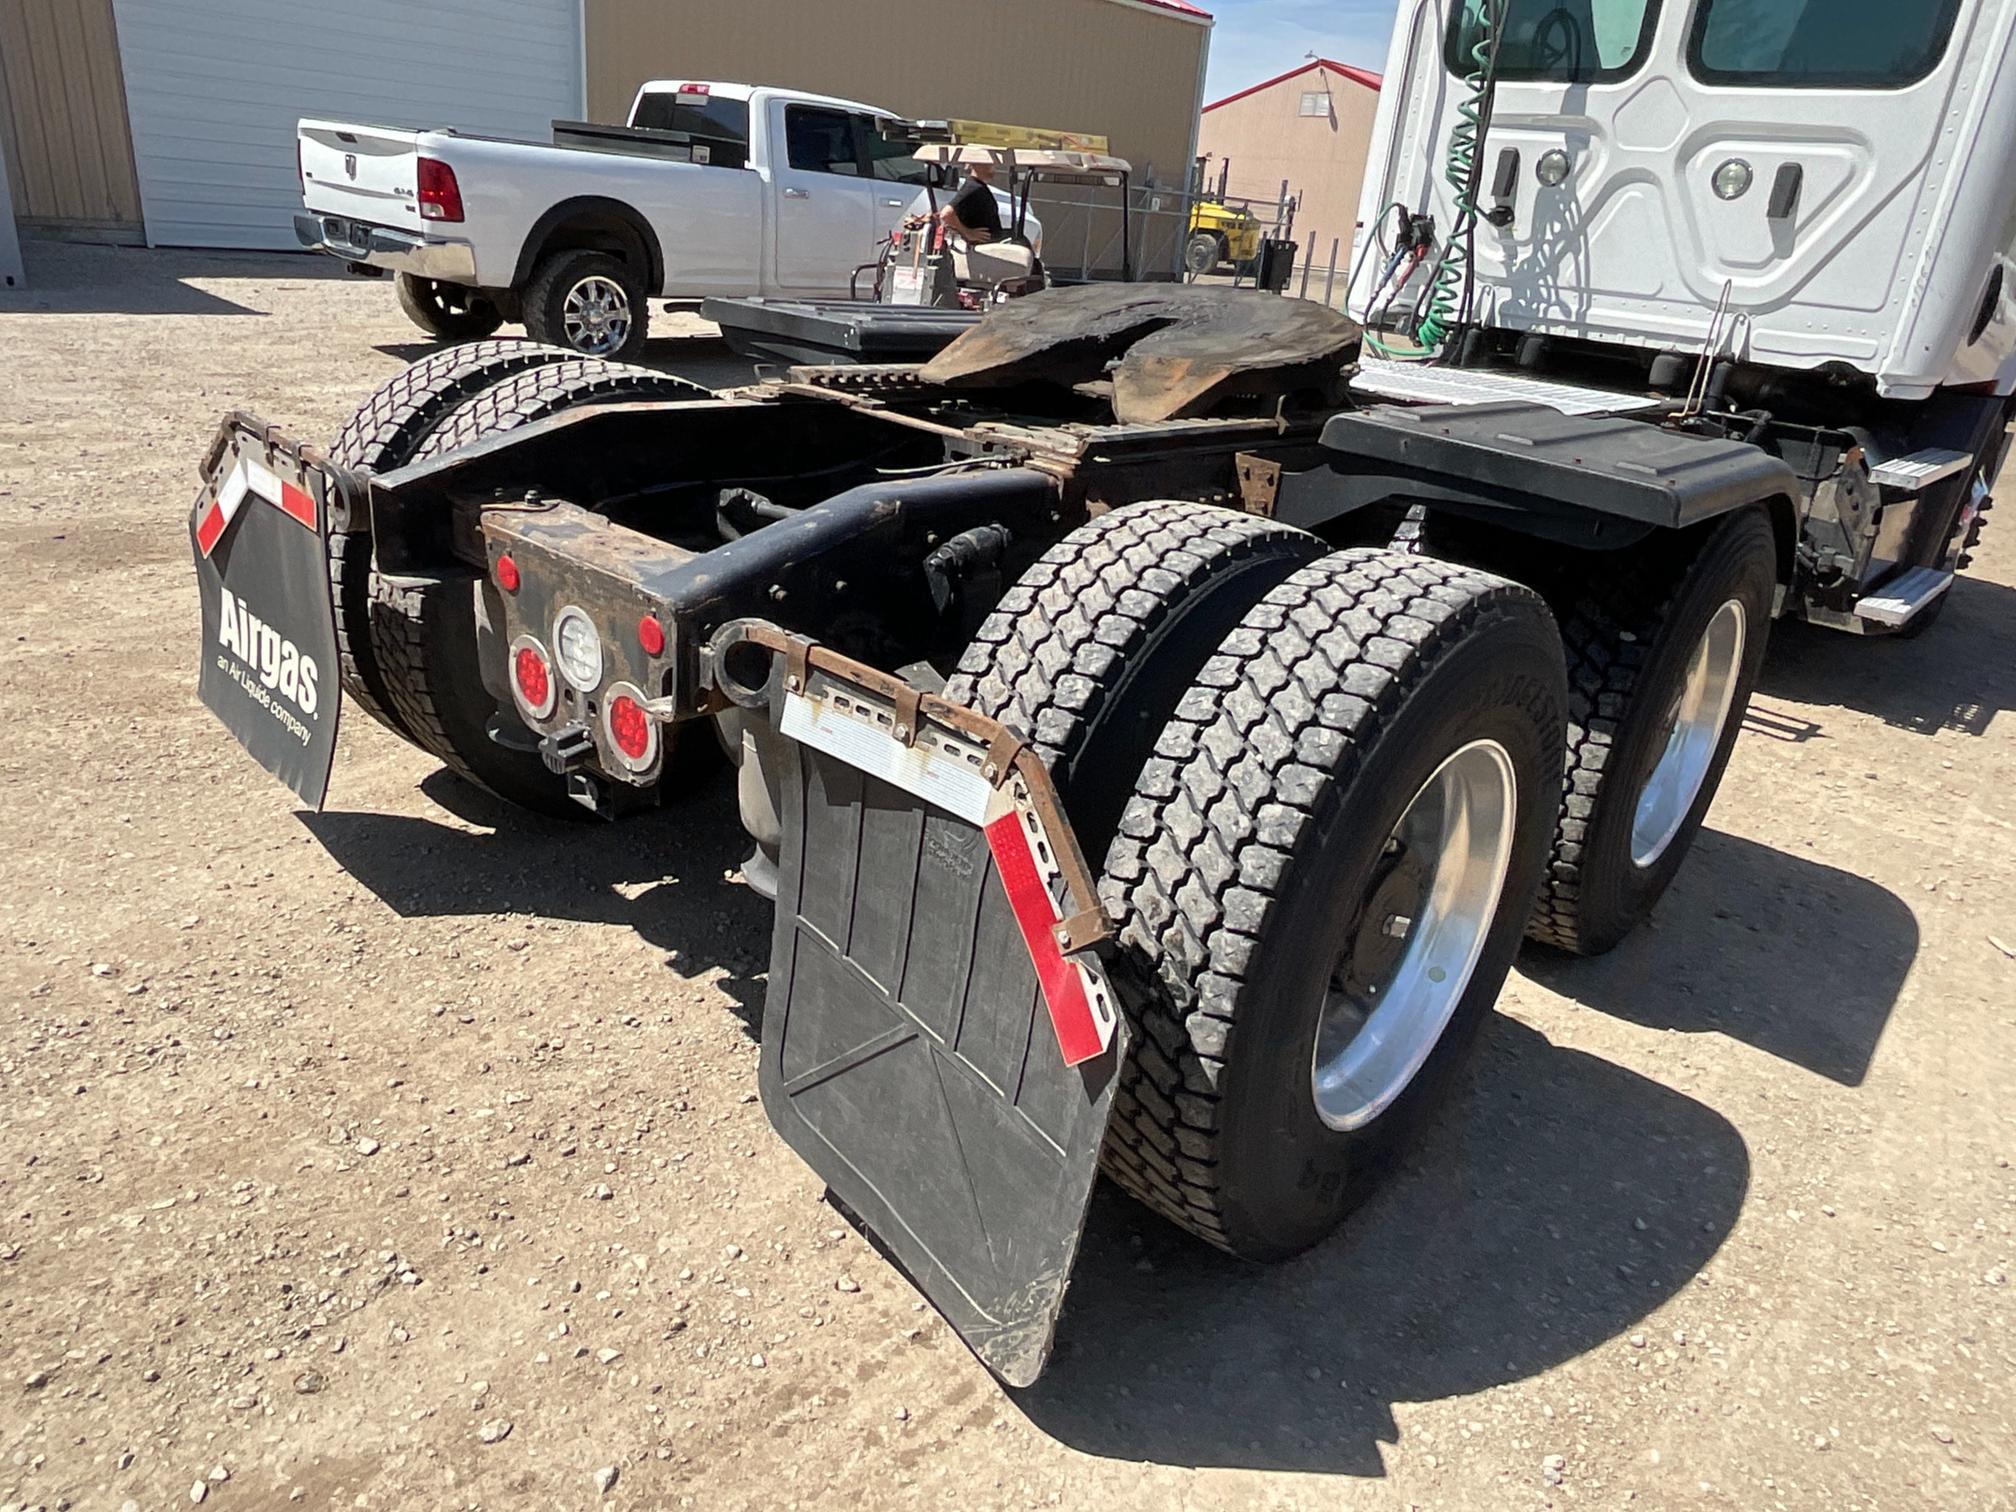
(1279,754)
(413,649)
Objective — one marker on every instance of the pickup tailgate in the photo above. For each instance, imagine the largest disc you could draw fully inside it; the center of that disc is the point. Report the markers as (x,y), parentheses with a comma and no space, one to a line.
(940,1040)
(361,173)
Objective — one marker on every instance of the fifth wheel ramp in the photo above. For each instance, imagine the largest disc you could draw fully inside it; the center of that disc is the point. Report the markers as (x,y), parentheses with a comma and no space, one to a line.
(1175,349)
(940,1042)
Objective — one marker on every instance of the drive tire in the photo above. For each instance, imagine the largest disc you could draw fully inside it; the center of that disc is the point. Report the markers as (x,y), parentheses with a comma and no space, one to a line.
(558,279)
(1256,827)
(1631,635)
(384,434)
(445,311)
(1087,654)
(425,632)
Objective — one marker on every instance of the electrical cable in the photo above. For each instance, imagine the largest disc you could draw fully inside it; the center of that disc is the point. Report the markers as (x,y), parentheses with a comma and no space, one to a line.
(1454,279)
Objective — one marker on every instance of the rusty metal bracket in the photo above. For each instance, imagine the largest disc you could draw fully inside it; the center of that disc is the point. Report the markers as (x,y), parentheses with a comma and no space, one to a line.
(1259,483)
(1005,750)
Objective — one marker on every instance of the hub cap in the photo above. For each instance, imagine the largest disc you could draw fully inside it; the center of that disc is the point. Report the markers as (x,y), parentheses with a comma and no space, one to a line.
(597,316)
(1693,730)
(1410,955)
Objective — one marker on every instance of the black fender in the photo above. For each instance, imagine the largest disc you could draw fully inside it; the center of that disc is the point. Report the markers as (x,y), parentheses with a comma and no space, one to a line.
(612,216)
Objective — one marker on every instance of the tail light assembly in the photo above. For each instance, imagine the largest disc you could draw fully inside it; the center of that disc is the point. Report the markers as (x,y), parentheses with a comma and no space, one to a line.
(632,734)
(534,684)
(440,193)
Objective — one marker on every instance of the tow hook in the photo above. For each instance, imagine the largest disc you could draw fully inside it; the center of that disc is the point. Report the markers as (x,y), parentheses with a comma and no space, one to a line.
(568,747)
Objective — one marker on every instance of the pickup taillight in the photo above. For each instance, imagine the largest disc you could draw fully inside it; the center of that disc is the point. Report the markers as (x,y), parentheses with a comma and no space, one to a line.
(440,195)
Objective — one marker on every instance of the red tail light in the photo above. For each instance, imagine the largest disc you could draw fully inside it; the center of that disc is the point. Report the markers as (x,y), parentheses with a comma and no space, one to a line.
(532,678)
(651,636)
(440,194)
(507,573)
(631,730)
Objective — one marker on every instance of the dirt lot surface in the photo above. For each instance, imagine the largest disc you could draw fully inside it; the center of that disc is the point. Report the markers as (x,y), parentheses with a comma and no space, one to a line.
(408,1156)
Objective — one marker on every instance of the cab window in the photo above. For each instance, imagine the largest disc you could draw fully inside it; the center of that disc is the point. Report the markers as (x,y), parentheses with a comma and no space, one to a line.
(1557,41)
(820,141)
(1819,44)
(893,159)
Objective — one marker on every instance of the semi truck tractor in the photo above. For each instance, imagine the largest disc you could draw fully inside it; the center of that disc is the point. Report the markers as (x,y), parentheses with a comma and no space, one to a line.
(1161,716)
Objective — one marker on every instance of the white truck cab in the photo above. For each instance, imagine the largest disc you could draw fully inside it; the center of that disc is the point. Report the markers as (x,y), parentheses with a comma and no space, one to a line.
(712,189)
(1791,221)
(1829,177)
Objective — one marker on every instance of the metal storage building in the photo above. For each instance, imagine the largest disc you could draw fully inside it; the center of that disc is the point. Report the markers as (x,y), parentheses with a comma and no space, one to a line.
(172,121)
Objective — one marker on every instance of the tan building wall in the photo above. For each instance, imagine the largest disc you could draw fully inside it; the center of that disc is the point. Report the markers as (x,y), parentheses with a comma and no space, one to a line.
(1265,137)
(63,117)
(1131,72)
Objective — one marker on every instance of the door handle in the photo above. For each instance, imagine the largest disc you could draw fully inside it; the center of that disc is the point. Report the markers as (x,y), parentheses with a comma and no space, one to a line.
(797,194)
(895,204)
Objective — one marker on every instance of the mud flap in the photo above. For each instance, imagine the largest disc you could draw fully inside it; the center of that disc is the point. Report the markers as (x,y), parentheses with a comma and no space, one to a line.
(258,533)
(940,1042)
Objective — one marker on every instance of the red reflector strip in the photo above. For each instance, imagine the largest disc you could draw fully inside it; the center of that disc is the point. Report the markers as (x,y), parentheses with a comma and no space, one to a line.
(210,529)
(1035,915)
(297,503)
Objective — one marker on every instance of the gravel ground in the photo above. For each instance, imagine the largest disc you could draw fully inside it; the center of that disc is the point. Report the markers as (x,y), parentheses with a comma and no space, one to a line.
(408,1156)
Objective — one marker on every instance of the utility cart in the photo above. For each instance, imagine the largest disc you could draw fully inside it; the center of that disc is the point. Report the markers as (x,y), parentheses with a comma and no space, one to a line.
(1152,712)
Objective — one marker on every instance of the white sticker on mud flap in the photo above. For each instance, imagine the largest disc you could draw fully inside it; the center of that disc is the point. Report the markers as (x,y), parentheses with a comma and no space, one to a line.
(926,770)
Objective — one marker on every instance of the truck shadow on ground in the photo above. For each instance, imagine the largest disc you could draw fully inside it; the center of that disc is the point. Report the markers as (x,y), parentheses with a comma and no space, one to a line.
(665,875)
(1800,960)
(1958,676)
(1511,1243)
(70,278)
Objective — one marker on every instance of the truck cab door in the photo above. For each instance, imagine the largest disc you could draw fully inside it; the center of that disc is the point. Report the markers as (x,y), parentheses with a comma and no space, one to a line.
(827,218)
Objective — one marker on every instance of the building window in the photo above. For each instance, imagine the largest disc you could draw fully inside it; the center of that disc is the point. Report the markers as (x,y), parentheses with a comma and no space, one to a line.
(1316,102)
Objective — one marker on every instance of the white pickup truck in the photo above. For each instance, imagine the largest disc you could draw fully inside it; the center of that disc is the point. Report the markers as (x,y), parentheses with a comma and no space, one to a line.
(712,189)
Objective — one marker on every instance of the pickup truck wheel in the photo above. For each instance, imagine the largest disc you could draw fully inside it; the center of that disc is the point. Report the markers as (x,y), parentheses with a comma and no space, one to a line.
(1320,882)
(1087,654)
(1662,657)
(590,302)
(384,434)
(426,633)
(448,312)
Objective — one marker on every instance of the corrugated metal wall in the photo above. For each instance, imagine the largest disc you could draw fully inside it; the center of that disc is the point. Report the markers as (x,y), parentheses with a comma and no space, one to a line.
(63,117)
(216,87)
(1133,73)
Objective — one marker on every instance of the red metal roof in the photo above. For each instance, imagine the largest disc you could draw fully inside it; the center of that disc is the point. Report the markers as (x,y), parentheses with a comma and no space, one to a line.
(1363,76)
(1179,6)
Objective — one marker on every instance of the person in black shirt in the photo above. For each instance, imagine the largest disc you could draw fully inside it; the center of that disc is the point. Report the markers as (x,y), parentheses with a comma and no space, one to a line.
(973,213)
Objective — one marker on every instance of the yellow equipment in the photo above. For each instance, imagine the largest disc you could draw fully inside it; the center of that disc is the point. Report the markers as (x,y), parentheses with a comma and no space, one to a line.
(1220,233)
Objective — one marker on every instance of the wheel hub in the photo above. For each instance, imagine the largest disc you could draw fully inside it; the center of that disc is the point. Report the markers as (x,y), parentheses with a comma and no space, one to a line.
(1693,732)
(597,315)
(1426,915)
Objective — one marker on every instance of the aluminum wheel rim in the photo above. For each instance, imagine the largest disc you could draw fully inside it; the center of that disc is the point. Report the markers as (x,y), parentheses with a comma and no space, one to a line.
(1455,842)
(597,316)
(1693,732)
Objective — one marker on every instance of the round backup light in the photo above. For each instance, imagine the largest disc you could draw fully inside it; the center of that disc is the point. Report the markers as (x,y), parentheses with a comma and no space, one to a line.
(1733,179)
(577,647)
(651,636)
(532,678)
(1553,168)
(507,574)
(633,733)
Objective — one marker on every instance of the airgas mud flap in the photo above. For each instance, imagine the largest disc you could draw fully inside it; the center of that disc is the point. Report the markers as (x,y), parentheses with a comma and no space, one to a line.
(268,666)
(940,1042)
